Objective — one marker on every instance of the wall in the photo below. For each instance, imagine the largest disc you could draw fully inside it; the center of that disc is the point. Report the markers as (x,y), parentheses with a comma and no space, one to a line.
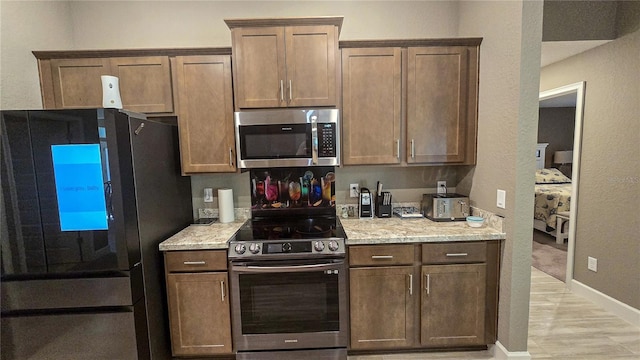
(609,188)
(556,127)
(507,129)
(19,82)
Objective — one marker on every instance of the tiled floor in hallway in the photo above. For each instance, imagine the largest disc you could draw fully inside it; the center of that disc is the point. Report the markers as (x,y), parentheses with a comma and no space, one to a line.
(561,326)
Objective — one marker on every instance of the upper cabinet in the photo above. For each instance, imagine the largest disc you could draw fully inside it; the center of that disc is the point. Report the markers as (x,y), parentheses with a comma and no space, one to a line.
(410,102)
(145,82)
(371,105)
(289,62)
(205,113)
(441,114)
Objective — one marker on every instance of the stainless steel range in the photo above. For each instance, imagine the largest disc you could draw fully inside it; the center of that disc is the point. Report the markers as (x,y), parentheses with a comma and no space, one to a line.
(288,271)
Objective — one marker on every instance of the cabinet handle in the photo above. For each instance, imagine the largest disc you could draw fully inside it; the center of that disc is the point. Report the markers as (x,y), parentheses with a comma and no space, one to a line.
(231,157)
(428,283)
(413,149)
(398,148)
(222,289)
(456,254)
(195,262)
(410,284)
(281,90)
(380,257)
(290,91)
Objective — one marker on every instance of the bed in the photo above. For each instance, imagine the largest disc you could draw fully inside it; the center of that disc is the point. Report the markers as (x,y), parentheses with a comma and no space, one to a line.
(552,195)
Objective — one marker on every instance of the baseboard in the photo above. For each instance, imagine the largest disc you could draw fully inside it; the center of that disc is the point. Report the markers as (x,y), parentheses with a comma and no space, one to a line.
(622,310)
(501,353)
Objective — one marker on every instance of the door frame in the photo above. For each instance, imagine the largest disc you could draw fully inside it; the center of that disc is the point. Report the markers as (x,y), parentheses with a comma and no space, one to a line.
(578,89)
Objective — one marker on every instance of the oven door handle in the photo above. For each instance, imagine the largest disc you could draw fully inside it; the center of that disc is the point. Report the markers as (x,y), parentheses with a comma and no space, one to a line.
(270,269)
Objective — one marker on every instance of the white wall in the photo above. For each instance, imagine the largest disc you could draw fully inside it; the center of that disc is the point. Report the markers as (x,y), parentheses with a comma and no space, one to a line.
(26,26)
(607,225)
(507,132)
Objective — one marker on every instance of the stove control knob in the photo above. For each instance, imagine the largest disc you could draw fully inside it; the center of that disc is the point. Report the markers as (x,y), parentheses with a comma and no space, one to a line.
(333,245)
(240,249)
(286,247)
(254,248)
(319,246)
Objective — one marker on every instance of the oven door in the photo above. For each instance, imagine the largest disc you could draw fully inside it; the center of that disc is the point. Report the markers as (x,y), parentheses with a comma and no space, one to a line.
(286,305)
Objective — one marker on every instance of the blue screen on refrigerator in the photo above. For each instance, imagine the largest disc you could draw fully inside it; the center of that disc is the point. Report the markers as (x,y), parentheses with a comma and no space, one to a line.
(79,187)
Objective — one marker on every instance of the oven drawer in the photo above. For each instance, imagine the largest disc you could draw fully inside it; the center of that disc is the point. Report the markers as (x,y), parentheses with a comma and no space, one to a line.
(195,261)
(381,255)
(454,253)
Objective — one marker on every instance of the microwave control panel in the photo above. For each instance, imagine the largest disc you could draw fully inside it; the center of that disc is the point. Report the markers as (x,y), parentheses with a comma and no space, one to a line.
(327,139)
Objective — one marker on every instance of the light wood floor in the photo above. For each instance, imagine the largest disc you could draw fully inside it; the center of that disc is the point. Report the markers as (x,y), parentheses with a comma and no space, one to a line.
(561,326)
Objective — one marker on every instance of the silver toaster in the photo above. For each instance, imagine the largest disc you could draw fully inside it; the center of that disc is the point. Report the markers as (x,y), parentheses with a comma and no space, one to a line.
(445,207)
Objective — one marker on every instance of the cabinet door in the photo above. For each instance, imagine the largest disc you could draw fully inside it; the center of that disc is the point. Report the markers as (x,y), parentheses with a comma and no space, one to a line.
(437,100)
(77,83)
(382,307)
(145,83)
(453,305)
(311,53)
(199,313)
(259,67)
(371,105)
(205,113)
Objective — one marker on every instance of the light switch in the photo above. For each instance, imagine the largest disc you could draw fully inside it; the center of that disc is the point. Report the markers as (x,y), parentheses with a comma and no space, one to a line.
(501,199)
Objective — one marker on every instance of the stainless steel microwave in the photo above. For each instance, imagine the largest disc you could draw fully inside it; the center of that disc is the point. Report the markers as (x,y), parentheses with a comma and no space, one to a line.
(285,138)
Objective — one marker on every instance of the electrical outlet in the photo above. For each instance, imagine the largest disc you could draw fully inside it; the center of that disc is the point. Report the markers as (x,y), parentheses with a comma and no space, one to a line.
(354,190)
(442,187)
(592,264)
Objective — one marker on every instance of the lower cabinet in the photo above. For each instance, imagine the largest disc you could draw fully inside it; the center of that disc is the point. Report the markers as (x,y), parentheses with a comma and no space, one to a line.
(382,307)
(198,298)
(382,296)
(435,295)
(452,305)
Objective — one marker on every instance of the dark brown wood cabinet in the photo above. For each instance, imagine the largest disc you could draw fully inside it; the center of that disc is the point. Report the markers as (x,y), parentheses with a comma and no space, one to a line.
(145,82)
(371,105)
(441,114)
(198,299)
(410,101)
(285,62)
(452,307)
(383,297)
(432,295)
(205,113)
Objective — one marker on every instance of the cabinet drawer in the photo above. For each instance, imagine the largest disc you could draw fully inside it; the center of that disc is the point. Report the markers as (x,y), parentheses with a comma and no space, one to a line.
(383,255)
(194,261)
(462,252)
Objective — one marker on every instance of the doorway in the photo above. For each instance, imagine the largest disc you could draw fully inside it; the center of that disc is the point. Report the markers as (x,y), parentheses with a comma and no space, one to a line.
(570,95)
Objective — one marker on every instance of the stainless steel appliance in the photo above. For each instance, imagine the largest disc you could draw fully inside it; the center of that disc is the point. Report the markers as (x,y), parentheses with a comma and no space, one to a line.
(445,207)
(284,138)
(88,196)
(288,273)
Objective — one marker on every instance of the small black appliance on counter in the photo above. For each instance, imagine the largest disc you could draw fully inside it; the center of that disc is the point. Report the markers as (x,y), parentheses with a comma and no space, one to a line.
(366,204)
(383,205)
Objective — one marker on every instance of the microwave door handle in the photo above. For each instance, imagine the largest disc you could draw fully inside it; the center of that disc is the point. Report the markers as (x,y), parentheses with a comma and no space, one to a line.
(314,143)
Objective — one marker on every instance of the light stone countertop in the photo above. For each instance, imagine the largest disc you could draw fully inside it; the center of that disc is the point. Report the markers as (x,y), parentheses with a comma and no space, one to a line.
(202,237)
(359,232)
(396,231)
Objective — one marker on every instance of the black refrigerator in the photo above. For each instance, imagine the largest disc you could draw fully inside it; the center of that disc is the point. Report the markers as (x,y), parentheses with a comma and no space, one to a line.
(87,196)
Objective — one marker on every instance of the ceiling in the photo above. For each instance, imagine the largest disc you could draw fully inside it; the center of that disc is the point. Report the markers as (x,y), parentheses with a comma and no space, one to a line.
(554,51)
